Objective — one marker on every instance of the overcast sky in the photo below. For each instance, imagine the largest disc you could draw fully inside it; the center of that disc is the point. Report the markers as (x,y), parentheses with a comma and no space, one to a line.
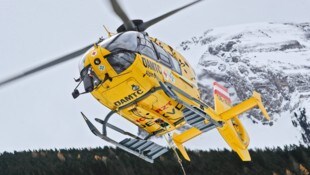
(39,112)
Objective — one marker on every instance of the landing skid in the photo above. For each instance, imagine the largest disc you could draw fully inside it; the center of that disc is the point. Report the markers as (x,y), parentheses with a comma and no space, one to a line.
(145,149)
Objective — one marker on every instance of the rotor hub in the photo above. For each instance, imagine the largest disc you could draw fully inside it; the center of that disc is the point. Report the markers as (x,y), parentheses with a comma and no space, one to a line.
(136,22)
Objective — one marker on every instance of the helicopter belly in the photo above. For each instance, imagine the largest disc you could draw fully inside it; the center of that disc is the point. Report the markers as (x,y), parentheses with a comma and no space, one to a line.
(137,97)
(151,111)
(154,113)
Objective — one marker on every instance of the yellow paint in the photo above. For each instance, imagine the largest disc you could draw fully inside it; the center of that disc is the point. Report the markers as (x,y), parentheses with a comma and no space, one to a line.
(159,112)
(181,148)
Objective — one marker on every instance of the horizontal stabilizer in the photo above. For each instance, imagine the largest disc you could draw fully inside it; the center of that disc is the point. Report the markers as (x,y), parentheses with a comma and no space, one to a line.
(257,96)
(244,106)
(243,154)
(180,147)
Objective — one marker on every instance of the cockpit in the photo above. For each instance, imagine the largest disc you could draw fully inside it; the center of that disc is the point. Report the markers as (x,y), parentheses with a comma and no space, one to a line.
(118,43)
(123,48)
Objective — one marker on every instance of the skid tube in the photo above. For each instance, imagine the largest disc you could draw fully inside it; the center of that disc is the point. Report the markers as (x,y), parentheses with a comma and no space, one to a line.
(104,137)
(137,146)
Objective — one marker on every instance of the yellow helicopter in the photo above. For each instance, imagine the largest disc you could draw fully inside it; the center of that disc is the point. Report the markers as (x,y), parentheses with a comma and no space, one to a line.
(152,85)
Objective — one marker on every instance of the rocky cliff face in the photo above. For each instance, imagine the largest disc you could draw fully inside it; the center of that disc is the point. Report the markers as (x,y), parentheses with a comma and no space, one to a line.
(272,59)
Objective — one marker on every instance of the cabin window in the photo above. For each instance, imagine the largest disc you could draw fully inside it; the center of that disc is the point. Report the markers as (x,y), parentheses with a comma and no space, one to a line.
(121,60)
(145,47)
(163,56)
(176,65)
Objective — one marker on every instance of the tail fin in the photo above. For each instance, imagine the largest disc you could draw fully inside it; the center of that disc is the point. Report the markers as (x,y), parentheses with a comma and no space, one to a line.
(222,101)
(233,131)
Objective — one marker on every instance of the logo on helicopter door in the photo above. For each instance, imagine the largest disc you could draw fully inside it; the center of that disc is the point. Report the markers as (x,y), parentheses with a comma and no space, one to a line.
(129,97)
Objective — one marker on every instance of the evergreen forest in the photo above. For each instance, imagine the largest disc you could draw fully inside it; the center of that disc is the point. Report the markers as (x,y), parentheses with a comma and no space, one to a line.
(290,160)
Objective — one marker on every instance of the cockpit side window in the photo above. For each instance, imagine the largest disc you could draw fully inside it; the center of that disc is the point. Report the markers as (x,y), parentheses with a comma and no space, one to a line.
(176,65)
(145,47)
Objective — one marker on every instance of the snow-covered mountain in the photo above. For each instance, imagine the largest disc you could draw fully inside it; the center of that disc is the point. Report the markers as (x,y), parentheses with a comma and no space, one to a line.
(271,58)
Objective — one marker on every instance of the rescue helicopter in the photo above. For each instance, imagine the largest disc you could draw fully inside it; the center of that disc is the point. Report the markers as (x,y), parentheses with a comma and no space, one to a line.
(151,84)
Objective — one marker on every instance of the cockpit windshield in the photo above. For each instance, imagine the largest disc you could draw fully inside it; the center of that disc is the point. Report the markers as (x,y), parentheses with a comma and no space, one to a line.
(122,46)
(122,41)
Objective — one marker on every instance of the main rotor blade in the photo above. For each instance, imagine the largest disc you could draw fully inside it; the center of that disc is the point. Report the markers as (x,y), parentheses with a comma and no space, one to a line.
(129,25)
(46,65)
(151,22)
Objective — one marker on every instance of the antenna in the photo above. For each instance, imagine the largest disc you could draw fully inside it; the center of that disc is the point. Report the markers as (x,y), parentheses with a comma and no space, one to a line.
(109,33)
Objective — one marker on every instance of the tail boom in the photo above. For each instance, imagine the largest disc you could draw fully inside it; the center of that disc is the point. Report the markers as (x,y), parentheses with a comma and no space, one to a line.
(233,132)
(224,117)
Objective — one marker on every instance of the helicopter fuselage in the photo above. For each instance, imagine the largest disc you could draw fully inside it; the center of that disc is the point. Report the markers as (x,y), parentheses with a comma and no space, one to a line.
(134,75)
(150,84)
